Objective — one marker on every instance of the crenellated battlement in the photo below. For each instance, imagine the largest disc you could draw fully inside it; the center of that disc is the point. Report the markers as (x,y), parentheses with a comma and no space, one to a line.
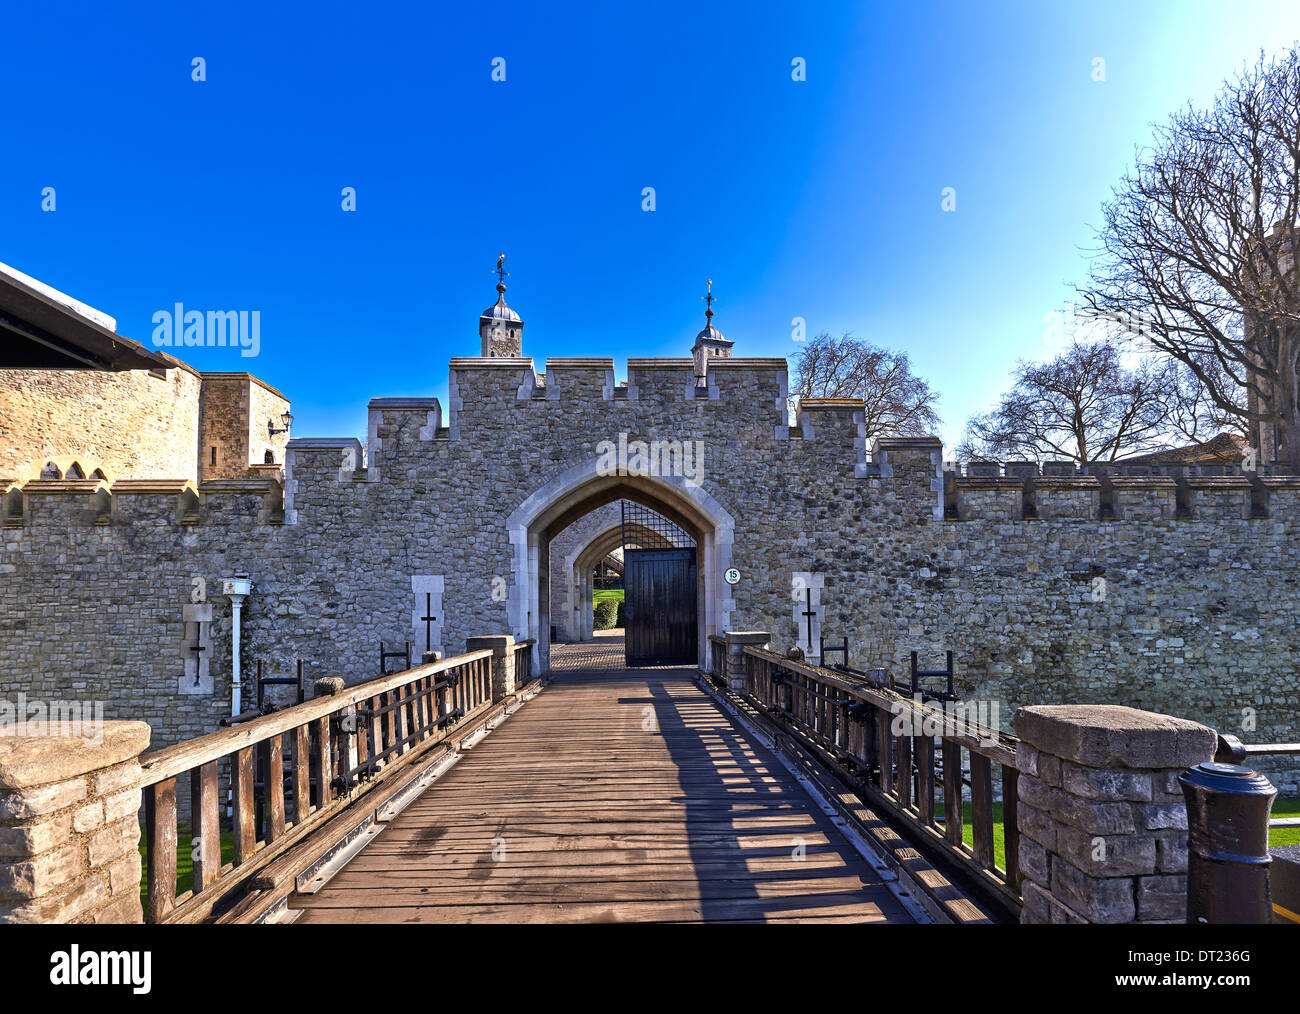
(45,503)
(482,383)
(1060,490)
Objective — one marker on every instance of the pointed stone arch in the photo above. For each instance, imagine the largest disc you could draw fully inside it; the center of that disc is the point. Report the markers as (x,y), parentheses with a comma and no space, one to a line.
(577,571)
(582,488)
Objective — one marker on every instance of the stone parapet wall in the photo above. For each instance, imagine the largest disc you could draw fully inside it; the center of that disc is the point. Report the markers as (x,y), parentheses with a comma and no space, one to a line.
(69,832)
(1102,819)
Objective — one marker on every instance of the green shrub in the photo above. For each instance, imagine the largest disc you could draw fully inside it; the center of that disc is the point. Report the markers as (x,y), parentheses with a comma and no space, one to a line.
(605,614)
(619,622)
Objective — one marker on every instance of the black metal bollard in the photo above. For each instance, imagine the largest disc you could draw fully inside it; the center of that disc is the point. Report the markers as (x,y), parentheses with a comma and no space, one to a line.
(1227,850)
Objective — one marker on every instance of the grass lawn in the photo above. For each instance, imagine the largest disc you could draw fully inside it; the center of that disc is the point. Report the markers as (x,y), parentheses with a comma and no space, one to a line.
(968,830)
(1285,835)
(604,594)
(184,861)
(1277,836)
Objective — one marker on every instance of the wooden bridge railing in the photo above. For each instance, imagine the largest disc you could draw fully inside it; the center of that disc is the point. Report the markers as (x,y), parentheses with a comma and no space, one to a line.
(718,648)
(336,746)
(523,661)
(899,751)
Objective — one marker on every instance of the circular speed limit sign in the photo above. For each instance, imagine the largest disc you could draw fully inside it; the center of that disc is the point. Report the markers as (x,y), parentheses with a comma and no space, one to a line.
(731,575)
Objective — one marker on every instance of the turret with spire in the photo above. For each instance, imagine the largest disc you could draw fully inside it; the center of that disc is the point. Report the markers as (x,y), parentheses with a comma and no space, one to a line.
(709,343)
(499,327)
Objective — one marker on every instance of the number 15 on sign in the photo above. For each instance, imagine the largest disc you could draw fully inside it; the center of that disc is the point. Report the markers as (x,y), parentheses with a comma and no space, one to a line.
(731,575)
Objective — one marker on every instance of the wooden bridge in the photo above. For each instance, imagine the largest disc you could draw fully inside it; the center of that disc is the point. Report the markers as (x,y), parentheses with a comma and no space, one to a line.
(616,795)
(467,790)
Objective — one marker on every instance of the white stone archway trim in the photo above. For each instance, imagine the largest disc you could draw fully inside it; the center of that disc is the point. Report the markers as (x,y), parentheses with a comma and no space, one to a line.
(529,610)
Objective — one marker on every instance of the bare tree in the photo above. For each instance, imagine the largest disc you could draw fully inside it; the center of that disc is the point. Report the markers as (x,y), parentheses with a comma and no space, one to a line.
(1193,412)
(1083,405)
(897,402)
(1191,261)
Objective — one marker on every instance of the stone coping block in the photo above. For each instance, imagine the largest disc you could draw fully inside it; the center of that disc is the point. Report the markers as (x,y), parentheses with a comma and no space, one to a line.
(324,443)
(1215,481)
(30,760)
(753,362)
(898,443)
(983,469)
(1266,481)
(151,487)
(1069,482)
(1108,735)
(659,362)
(491,363)
(1141,482)
(247,484)
(830,404)
(500,644)
(418,403)
(64,487)
(748,636)
(978,482)
(579,362)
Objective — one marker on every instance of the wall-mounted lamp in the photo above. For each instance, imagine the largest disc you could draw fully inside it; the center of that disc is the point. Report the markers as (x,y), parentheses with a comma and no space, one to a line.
(270,424)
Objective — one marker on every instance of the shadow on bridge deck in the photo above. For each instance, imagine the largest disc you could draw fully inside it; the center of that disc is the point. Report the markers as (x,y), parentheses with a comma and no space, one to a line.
(615,795)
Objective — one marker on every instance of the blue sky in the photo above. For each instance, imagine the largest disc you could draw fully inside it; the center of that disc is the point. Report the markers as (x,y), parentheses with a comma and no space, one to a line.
(818,199)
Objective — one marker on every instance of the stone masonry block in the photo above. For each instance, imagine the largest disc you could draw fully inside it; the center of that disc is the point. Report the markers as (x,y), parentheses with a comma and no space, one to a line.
(1037,825)
(124,908)
(1106,735)
(1049,769)
(1097,899)
(70,904)
(1164,815)
(1161,898)
(1034,862)
(114,841)
(88,817)
(120,777)
(1171,853)
(1026,760)
(1106,783)
(122,804)
(29,839)
(42,799)
(124,874)
(1085,814)
(1096,855)
(42,874)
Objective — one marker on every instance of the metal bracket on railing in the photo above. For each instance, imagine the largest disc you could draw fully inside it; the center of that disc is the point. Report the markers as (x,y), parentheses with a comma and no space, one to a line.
(1230,750)
(858,710)
(246,716)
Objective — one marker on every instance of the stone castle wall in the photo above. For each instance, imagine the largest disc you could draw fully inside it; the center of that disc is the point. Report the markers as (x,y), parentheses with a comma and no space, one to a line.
(1197,618)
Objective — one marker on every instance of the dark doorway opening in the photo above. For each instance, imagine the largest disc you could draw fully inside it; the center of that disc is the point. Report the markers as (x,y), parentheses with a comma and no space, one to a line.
(659,591)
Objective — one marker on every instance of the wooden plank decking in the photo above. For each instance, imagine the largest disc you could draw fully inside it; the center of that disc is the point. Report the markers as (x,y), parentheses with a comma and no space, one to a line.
(614,795)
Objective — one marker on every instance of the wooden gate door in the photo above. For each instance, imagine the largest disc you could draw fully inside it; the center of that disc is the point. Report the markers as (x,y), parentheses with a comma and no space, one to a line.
(659,593)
